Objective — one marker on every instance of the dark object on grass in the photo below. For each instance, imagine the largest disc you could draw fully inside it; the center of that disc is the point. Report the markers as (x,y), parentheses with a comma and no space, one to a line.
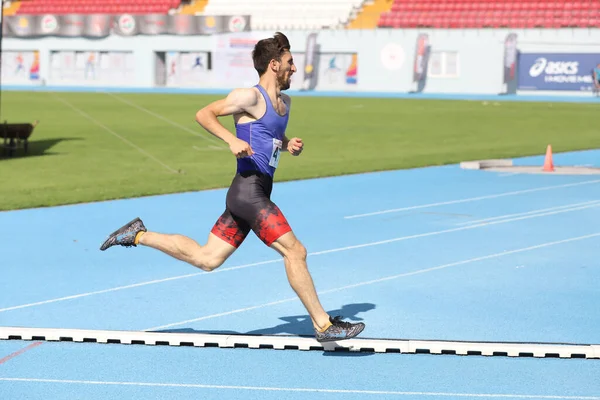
(16,136)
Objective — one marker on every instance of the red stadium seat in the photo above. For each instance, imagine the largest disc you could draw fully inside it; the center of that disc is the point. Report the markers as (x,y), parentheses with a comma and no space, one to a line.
(403,13)
(38,7)
(492,13)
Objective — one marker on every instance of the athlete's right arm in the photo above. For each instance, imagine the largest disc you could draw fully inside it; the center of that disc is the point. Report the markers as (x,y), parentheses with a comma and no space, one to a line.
(238,101)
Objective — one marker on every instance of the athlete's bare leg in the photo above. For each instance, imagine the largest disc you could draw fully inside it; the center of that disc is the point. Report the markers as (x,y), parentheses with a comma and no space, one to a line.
(218,248)
(207,257)
(294,256)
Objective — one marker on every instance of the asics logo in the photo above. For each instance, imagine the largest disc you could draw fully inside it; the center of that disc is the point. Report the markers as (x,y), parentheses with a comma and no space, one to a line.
(553,67)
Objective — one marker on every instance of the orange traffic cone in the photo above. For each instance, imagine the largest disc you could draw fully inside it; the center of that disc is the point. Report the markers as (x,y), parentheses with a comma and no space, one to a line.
(548,164)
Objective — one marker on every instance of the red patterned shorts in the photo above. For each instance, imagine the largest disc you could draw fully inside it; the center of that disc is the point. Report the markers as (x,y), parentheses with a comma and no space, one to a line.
(249,207)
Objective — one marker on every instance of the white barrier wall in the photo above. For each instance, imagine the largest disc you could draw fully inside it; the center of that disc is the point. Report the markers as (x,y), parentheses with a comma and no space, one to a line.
(460,61)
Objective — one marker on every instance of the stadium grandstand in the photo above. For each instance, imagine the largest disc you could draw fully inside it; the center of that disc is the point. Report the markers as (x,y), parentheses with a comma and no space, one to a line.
(341,14)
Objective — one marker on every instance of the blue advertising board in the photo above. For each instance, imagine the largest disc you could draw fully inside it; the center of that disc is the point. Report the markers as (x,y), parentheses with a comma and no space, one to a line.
(557,71)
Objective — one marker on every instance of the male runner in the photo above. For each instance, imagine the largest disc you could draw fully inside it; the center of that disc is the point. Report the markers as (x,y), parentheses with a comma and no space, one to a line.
(261,115)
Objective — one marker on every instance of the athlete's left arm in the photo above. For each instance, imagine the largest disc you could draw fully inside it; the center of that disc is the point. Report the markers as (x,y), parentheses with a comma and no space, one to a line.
(293,145)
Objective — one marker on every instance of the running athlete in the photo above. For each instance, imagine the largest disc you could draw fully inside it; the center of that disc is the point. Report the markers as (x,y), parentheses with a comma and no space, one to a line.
(261,115)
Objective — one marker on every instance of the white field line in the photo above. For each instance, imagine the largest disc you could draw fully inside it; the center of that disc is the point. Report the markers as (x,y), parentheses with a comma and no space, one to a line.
(106,128)
(167,120)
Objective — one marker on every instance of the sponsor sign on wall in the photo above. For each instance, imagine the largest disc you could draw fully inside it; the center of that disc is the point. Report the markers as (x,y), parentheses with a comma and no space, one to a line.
(557,71)
(188,69)
(21,67)
(90,68)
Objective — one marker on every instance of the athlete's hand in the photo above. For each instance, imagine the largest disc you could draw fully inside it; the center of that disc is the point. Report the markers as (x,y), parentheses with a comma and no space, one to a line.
(295,146)
(240,148)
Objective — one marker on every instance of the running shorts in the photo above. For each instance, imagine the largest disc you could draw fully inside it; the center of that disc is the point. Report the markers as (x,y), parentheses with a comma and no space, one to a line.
(249,207)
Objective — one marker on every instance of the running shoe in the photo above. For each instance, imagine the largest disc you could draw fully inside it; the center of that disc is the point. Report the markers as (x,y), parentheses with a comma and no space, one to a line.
(339,330)
(124,236)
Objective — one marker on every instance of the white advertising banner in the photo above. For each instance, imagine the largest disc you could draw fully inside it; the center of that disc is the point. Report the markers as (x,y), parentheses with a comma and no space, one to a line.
(91,68)
(188,69)
(337,71)
(232,62)
(21,67)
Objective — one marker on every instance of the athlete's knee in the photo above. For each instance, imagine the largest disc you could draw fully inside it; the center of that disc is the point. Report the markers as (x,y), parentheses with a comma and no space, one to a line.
(207,262)
(299,251)
(295,250)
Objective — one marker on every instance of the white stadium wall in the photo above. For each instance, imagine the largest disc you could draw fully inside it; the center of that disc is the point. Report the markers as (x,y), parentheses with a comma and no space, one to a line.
(383,60)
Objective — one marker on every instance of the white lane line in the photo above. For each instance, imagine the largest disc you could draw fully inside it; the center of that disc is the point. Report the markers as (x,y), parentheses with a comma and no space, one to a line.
(374,281)
(296,389)
(134,285)
(462,228)
(567,206)
(339,249)
(106,128)
(491,196)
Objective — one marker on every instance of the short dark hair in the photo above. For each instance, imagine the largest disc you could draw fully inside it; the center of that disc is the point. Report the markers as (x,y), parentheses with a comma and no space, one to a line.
(269,49)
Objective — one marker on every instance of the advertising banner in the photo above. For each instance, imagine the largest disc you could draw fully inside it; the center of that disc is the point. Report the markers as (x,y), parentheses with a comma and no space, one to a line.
(232,62)
(557,71)
(310,66)
(102,25)
(509,64)
(89,68)
(510,58)
(298,82)
(421,58)
(188,69)
(337,71)
(21,67)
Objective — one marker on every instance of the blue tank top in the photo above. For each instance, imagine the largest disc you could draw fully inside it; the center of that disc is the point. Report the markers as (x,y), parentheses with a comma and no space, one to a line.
(265,136)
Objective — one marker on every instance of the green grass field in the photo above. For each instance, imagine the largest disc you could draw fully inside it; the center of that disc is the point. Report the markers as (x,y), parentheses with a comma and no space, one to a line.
(97,146)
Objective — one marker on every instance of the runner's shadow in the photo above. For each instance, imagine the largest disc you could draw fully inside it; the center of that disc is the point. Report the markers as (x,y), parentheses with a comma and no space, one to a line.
(300,325)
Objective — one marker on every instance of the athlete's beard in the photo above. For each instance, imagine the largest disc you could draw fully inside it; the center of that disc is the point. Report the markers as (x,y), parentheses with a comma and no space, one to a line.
(284,81)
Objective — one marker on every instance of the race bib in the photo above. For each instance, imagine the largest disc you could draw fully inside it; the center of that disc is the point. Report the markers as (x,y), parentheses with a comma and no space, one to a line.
(276,153)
